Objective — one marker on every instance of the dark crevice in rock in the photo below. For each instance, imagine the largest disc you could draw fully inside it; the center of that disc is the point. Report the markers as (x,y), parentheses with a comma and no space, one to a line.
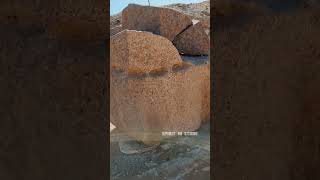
(182,32)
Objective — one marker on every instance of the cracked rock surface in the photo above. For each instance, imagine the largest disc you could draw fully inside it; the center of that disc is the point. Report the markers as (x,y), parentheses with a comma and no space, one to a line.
(193,41)
(162,21)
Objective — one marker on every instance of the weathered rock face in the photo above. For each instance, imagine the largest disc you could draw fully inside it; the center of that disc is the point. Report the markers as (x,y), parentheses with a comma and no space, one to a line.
(162,21)
(164,94)
(205,108)
(202,61)
(144,107)
(193,41)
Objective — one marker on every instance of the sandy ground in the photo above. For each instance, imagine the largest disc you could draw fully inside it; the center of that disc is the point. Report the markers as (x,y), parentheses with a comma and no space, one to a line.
(177,158)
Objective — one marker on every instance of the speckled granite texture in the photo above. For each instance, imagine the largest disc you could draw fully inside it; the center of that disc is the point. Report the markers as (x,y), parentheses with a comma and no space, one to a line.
(193,41)
(142,51)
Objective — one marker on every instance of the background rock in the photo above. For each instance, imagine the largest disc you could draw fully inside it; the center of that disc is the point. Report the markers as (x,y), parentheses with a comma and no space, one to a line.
(193,41)
(115,30)
(199,11)
(162,21)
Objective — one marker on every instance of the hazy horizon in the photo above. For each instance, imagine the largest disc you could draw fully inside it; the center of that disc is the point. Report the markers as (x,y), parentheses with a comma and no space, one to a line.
(117,6)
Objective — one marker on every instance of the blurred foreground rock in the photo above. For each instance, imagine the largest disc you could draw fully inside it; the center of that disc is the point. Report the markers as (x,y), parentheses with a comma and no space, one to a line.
(80,20)
(266,84)
(52,107)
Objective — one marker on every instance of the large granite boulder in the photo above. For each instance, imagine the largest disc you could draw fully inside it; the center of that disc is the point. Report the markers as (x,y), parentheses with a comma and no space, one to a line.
(152,89)
(162,21)
(142,51)
(193,41)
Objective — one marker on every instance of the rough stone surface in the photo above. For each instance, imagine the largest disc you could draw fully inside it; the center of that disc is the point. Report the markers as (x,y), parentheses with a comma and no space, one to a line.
(137,51)
(162,21)
(135,147)
(166,94)
(146,107)
(201,60)
(199,11)
(193,41)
